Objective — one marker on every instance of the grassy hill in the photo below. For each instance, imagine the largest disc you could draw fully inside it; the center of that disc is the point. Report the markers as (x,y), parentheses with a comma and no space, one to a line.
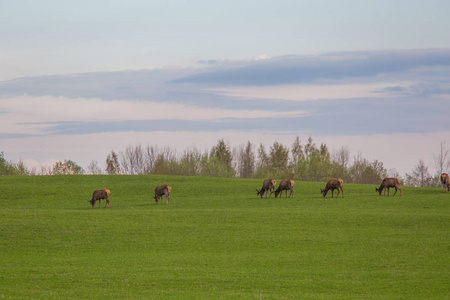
(218,240)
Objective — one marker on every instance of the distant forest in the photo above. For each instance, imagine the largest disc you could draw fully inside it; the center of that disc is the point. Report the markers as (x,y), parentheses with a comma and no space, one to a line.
(304,162)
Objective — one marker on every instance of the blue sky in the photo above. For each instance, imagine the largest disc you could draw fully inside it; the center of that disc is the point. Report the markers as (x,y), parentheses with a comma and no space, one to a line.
(81,78)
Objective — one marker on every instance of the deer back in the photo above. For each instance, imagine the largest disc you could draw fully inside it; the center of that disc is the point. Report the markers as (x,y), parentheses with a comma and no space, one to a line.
(445,178)
(100,194)
(390,182)
(162,190)
(334,183)
(286,184)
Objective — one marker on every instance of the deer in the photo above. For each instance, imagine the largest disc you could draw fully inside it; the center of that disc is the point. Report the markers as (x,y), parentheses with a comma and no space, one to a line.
(268,185)
(98,195)
(285,185)
(388,183)
(333,184)
(160,191)
(445,180)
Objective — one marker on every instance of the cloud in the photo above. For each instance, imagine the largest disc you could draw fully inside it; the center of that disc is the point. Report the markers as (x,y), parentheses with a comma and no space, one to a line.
(341,93)
(41,115)
(394,90)
(311,69)
(261,57)
(417,71)
(151,85)
(305,92)
(324,117)
(420,89)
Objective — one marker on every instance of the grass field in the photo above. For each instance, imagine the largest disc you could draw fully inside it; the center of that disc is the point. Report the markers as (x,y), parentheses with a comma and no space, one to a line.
(218,240)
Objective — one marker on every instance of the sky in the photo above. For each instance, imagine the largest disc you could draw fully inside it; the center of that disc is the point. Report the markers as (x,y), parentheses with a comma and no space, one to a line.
(81,78)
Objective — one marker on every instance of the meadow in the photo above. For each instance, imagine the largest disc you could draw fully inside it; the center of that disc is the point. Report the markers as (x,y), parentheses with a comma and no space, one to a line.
(218,240)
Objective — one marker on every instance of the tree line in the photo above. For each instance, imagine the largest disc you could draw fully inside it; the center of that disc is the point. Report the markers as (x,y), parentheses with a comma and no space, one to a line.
(301,161)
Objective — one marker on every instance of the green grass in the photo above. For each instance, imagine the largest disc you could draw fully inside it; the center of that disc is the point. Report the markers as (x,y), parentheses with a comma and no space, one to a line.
(218,240)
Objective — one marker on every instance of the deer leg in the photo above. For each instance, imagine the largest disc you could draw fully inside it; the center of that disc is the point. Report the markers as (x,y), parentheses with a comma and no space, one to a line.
(395,192)
(342,192)
(332,193)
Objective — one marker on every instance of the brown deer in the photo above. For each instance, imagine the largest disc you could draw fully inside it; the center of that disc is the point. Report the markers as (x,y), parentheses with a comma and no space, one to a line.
(388,183)
(162,190)
(98,195)
(445,180)
(333,184)
(285,185)
(268,185)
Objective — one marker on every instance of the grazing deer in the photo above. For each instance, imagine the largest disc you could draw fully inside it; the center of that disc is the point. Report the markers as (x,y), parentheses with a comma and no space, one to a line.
(333,184)
(445,180)
(99,195)
(268,185)
(388,183)
(285,185)
(162,190)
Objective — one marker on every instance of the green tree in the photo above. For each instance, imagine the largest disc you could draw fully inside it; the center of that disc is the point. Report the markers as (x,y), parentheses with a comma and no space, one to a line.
(190,162)
(374,172)
(246,161)
(67,167)
(279,158)
(263,164)
(21,169)
(221,158)
(166,163)
(112,163)
(312,164)
(319,165)
(297,151)
(212,166)
(362,171)
(10,168)
(310,148)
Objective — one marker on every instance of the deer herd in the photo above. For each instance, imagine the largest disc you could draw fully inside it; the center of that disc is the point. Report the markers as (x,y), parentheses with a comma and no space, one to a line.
(285,185)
